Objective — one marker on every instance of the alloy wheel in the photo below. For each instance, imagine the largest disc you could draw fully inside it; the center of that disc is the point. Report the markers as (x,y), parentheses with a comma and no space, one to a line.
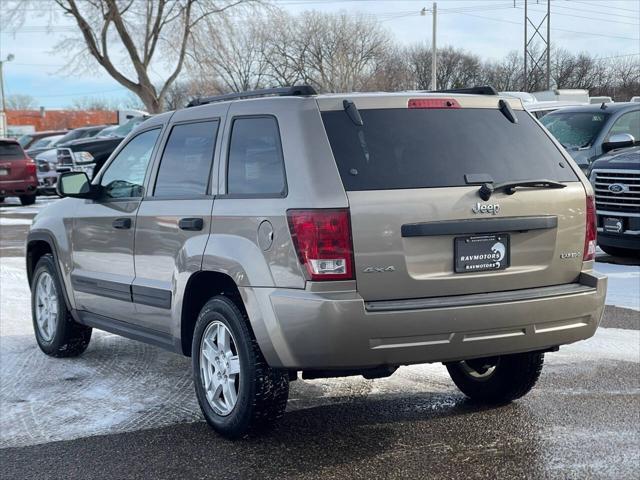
(46,306)
(220,368)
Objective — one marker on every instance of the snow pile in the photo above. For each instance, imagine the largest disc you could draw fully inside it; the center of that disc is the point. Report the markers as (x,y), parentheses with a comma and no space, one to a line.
(624,284)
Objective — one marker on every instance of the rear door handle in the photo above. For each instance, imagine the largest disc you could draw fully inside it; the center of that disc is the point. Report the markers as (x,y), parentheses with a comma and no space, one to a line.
(122,223)
(191,224)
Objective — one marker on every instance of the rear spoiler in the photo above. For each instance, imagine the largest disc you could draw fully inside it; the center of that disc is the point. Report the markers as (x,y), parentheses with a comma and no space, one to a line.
(480,90)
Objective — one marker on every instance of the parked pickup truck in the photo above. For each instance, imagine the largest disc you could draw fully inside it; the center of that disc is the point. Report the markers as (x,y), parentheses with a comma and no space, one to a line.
(91,154)
(616,180)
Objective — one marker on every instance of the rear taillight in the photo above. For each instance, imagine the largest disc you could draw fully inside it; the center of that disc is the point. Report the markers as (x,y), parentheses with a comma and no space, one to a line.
(322,239)
(30,168)
(433,103)
(591,229)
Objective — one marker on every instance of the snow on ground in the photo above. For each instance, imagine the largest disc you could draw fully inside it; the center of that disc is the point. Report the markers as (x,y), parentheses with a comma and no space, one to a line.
(11,205)
(624,284)
(5,221)
(121,385)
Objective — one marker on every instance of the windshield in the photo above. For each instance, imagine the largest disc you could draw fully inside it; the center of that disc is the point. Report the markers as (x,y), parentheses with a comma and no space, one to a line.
(72,135)
(575,129)
(424,148)
(124,129)
(25,140)
(46,142)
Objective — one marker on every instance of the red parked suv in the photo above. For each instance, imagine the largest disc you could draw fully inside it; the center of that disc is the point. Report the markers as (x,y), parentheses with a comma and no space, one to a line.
(17,173)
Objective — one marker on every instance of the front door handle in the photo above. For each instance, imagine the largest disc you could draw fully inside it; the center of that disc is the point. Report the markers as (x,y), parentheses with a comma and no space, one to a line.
(191,224)
(122,223)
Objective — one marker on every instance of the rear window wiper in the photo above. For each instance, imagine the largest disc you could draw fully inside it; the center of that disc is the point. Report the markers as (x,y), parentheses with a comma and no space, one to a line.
(510,187)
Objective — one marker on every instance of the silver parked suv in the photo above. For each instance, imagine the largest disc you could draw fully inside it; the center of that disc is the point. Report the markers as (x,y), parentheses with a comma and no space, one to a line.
(272,232)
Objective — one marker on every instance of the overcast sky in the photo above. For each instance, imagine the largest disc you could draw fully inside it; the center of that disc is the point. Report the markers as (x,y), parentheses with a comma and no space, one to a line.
(489,28)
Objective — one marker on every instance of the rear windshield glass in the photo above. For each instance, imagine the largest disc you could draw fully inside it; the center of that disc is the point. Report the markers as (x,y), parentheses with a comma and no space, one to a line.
(10,151)
(421,148)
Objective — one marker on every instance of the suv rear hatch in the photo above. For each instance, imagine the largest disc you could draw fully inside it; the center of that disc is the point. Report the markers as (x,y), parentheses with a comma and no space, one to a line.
(420,229)
(13,161)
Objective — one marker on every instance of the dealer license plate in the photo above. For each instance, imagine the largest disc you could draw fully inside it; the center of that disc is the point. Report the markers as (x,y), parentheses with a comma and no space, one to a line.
(481,253)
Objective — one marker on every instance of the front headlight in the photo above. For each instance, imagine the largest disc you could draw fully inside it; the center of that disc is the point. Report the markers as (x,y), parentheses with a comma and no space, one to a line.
(83,157)
(592,179)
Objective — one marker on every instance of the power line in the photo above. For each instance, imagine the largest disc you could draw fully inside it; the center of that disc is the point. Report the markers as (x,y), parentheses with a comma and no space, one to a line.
(573,15)
(596,5)
(598,12)
(553,29)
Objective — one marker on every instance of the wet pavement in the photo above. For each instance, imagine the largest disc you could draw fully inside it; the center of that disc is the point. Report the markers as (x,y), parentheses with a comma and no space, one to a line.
(128,411)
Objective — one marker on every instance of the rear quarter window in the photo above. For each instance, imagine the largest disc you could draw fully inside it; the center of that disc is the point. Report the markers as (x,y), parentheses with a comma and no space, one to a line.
(429,148)
(255,160)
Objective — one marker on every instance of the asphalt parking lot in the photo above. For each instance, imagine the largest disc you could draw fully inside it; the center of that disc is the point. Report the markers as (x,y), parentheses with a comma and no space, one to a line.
(127,410)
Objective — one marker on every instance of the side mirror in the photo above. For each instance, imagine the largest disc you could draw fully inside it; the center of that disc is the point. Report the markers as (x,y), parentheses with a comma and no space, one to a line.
(618,140)
(75,184)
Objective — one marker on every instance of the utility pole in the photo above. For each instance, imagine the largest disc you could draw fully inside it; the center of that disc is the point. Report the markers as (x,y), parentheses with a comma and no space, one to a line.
(3,119)
(434,57)
(434,47)
(533,61)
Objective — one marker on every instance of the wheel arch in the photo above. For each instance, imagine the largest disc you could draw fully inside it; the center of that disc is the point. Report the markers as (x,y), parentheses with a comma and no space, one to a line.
(201,286)
(40,243)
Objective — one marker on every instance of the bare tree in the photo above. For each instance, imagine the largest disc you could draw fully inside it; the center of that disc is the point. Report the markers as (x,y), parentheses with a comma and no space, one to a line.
(393,72)
(148,33)
(341,51)
(505,75)
(20,102)
(419,56)
(232,50)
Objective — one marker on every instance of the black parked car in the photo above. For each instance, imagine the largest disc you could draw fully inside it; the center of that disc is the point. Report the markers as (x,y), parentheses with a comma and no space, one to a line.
(46,158)
(616,180)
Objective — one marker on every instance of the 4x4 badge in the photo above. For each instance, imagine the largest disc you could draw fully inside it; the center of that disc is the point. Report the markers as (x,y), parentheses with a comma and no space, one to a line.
(390,268)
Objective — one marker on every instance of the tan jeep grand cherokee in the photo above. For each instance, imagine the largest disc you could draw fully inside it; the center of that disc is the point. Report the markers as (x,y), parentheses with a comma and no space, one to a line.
(271,232)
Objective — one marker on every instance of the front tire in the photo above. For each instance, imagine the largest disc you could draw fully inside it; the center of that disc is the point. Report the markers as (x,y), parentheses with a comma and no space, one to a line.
(57,333)
(27,199)
(236,389)
(497,380)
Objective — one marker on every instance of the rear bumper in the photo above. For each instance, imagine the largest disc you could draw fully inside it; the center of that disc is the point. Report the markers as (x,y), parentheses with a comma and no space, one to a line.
(300,329)
(18,187)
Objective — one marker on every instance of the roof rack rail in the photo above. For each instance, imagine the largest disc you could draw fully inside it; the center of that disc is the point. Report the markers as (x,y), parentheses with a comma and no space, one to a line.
(294,91)
(479,90)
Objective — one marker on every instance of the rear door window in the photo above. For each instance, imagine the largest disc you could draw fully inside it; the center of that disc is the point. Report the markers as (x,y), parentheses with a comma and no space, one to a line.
(428,148)
(185,167)
(255,163)
(10,151)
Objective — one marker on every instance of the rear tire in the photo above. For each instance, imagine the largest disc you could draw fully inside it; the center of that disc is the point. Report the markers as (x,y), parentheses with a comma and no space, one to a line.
(497,380)
(618,251)
(57,333)
(27,199)
(258,394)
